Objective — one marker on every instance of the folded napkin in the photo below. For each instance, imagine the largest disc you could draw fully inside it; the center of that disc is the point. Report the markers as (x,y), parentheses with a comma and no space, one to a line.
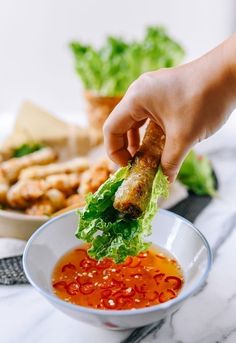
(11,247)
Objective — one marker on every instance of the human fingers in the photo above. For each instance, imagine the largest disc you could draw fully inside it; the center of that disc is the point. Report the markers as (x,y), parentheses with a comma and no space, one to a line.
(116,128)
(174,152)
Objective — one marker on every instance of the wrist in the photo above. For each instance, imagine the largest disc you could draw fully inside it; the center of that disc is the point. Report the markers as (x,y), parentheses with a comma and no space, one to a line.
(218,72)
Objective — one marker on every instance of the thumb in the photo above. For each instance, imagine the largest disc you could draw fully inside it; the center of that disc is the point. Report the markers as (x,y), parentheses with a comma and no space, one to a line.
(173,154)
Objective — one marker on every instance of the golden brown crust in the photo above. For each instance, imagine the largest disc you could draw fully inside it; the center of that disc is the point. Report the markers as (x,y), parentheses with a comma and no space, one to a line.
(12,168)
(134,193)
(76,165)
(94,177)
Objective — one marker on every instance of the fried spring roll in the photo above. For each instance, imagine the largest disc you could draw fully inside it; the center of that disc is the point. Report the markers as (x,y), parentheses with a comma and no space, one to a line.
(26,191)
(12,168)
(56,198)
(75,199)
(4,187)
(94,177)
(77,165)
(66,183)
(23,193)
(53,200)
(133,195)
(42,208)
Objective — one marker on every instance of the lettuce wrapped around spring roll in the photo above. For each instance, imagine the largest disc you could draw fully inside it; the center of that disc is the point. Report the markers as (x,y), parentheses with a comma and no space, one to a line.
(115,234)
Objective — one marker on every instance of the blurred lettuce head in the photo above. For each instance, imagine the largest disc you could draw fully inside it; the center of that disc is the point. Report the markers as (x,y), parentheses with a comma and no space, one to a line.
(110,69)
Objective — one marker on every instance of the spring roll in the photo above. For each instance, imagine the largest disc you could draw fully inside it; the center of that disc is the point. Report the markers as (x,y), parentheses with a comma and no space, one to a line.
(12,168)
(24,192)
(53,200)
(94,177)
(56,198)
(66,183)
(4,187)
(77,165)
(133,195)
(75,199)
(41,208)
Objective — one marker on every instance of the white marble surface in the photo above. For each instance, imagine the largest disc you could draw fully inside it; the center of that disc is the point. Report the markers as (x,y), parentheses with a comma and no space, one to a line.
(208,317)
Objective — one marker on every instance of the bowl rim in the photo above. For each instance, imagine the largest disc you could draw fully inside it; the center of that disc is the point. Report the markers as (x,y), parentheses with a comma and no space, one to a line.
(168,304)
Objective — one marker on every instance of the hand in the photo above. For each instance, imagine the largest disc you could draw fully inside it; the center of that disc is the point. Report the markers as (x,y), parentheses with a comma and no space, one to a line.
(189,102)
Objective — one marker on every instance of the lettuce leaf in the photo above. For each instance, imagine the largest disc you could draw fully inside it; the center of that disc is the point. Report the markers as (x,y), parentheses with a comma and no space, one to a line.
(197,175)
(111,234)
(26,149)
(110,69)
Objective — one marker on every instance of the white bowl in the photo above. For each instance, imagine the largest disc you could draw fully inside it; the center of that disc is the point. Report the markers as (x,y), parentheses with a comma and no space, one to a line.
(170,231)
(19,225)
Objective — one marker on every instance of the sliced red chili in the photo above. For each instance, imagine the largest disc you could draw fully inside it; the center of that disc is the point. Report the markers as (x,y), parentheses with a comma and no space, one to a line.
(138,289)
(87,263)
(106,284)
(113,283)
(110,303)
(124,301)
(106,293)
(167,295)
(174,281)
(158,277)
(135,263)
(68,267)
(141,289)
(87,288)
(128,292)
(60,285)
(127,262)
(72,288)
(118,277)
(82,279)
(104,264)
(117,293)
(117,283)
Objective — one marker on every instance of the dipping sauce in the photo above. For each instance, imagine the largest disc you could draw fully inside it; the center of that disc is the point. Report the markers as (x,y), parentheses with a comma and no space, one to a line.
(151,278)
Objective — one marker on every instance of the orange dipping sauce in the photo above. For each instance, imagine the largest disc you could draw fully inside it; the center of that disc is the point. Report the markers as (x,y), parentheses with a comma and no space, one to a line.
(151,278)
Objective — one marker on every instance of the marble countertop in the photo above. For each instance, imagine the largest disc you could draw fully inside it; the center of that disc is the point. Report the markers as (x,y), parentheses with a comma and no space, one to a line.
(208,317)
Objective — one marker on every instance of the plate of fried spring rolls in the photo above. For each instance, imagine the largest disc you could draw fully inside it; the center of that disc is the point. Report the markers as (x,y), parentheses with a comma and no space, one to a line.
(36,186)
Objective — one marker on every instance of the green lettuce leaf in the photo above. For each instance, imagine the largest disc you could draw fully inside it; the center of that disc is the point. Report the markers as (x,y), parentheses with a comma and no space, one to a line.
(197,175)
(110,69)
(26,149)
(111,234)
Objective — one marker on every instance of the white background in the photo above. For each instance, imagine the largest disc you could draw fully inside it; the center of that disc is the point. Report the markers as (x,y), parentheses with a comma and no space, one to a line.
(36,64)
